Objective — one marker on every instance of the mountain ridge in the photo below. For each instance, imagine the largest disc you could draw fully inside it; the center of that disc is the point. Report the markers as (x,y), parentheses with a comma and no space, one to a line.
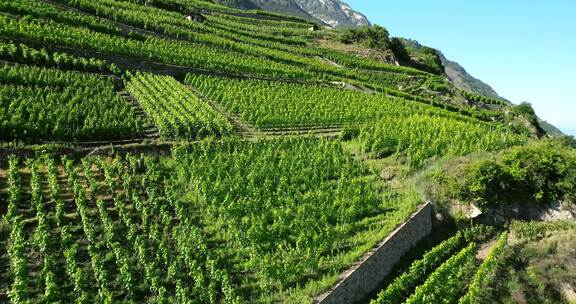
(461,78)
(333,13)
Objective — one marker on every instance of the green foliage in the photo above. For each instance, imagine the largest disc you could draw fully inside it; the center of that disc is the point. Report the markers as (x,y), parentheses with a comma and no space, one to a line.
(421,57)
(48,12)
(269,104)
(487,182)
(479,114)
(533,231)
(483,99)
(538,173)
(16,245)
(536,266)
(349,133)
(486,269)
(479,233)
(399,49)
(375,36)
(430,60)
(52,104)
(18,263)
(154,48)
(289,211)
(229,220)
(421,137)
(424,131)
(358,62)
(446,283)
(403,285)
(569,141)
(273,104)
(23,53)
(142,244)
(525,110)
(176,111)
(307,209)
(436,84)
(296,19)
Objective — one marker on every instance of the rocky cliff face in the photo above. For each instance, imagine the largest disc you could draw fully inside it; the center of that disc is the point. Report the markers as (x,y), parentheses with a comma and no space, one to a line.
(334,13)
(463,80)
(456,73)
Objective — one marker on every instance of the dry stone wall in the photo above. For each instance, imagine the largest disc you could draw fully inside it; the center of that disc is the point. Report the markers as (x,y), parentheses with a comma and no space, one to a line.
(365,277)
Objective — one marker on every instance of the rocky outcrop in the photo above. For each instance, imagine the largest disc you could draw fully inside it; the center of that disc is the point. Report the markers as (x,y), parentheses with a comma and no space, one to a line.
(334,13)
(463,80)
(527,212)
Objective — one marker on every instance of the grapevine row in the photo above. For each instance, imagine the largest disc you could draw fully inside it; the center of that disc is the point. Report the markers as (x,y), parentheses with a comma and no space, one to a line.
(42,10)
(156,222)
(70,249)
(268,104)
(401,287)
(473,296)
(423,136)
(421,131)
(25,54)
(290,187)
(101,274)
(176,111)
(17,241)
(42,237)
(55,105)
(444,284)
(154,48)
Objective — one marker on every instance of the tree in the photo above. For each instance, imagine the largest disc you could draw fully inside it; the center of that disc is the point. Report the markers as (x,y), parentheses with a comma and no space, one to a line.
(399,49)
(376,36)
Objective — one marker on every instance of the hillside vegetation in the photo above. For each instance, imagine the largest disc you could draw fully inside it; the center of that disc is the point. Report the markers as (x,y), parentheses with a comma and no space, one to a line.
(182,151)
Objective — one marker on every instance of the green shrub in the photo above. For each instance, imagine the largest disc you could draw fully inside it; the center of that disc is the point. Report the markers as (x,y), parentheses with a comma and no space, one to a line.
(486,183)
(399,49)
(349,132)
(540,173)
(376,36)
(526,110)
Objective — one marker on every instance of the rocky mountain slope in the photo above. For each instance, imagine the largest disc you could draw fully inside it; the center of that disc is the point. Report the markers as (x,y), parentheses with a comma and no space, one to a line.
(456,73)
(462,79)
(550,129)
(334,13)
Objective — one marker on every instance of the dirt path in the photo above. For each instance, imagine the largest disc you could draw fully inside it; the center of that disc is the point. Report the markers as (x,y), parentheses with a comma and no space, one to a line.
(568,292)
(348,86)
(485,249)
(328,62)
(150,131)
(317,132)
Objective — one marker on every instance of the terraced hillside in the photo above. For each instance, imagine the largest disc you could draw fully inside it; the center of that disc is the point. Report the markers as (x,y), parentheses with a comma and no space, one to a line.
(181,151)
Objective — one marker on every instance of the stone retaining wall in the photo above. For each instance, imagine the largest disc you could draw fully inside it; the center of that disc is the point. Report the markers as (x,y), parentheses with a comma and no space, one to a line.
(365,277)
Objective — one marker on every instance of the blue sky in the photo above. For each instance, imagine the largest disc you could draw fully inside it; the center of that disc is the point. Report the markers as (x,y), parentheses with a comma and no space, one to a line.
(524,49)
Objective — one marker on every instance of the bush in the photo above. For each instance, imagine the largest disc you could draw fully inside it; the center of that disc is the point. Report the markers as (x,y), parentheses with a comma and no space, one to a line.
(487,183)
(399,49)
(568,141)
(431,59)
(526,110)
(436,84)
(349,133)
(541,173)
(376,36)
